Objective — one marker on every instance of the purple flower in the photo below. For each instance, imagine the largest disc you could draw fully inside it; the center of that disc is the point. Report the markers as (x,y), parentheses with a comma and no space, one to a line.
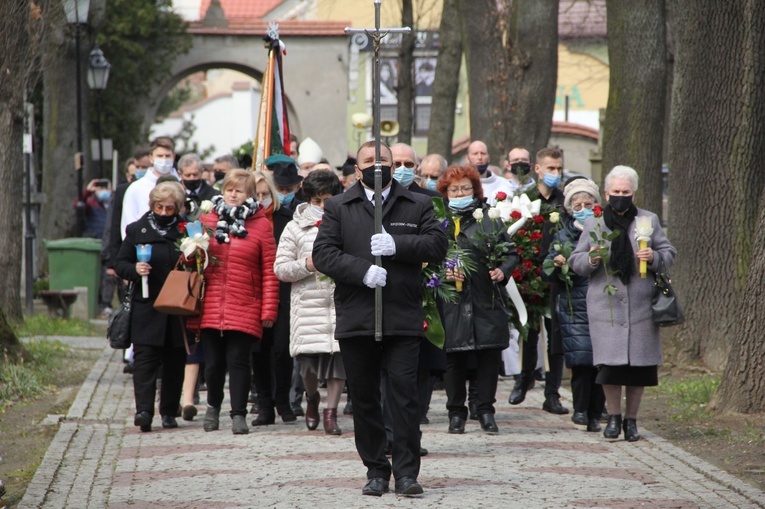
(433,281)
(450,264)
(444,224)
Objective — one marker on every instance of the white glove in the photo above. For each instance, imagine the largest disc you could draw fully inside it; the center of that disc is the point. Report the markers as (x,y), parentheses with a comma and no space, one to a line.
(383,244)
(375,276)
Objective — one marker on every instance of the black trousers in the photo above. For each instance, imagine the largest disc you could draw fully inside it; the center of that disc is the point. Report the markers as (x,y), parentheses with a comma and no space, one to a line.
(486,375)
(529,362)
(229,351)
(588,395)
(364,358)
(147,361)
(272,368)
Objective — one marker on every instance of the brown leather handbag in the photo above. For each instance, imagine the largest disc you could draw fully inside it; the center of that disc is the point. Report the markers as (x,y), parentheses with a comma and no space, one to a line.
(182,293)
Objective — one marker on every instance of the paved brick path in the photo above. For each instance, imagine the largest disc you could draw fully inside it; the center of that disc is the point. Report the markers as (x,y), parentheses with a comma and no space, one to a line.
(99,460)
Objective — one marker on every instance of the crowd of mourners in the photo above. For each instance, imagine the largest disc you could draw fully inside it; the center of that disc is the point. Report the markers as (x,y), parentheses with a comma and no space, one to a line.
(481,269)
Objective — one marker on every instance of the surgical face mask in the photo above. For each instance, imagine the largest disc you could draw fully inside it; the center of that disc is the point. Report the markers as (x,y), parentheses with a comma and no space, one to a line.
(139,173)
(163,165)
(192,185)
(620,203)
(103,195)
(286,199)
(368,176)
(582,215)
(551,180)
(266,202)
(520,169)
(219,175)
(431,184)
(482,168)
(317,211)
(460,203)
(404,175)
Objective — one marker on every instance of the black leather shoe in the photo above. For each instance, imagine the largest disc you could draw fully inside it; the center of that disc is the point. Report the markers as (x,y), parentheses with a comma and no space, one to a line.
(408,486)
(168,422)
(579,418)
(375,487)
(614,426)
(488,424)
(630,430)
(297,409)
(265,417)
(522,386)
(143,420)
(423,452)
(594,425)
(457,425)
(552,405)
(286,413)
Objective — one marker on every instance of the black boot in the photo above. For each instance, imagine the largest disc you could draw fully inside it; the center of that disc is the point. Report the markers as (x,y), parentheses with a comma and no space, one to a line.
(630,430)
(614,426)
(523,384)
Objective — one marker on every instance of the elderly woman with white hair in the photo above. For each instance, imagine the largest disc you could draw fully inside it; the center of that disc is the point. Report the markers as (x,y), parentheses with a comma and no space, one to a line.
(581,195)
(625,340)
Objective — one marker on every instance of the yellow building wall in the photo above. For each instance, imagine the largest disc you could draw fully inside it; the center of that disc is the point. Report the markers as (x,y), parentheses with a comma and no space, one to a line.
(361,13)
(584,78)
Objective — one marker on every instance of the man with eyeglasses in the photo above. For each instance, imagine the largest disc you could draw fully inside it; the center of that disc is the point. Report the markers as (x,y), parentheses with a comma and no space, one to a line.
(432,167)
(478,156)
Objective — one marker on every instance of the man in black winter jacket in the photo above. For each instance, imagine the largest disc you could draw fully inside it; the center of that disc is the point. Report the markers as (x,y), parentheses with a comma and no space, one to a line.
(345,249)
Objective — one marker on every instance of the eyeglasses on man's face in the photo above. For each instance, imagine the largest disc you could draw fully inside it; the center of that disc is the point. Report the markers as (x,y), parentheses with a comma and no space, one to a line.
(407,164)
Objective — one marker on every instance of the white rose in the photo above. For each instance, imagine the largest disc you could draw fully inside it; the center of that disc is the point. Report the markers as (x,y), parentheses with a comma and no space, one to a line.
(494,213)
(206,206)
(478,214)
(554,217)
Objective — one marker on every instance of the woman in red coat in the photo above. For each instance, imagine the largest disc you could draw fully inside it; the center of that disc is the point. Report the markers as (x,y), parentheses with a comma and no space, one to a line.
(241,295)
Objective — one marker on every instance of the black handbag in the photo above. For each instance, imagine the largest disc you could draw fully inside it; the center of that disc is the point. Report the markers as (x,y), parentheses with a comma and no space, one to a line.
(666,308)
(118,330)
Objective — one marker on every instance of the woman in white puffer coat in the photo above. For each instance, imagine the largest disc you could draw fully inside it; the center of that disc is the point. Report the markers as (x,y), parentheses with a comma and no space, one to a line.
(312,319)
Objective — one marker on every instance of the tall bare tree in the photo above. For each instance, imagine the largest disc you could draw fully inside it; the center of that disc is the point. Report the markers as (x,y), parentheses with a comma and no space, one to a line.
(405,85)
(717,142)
(511,49)
(633,132)
(446,82)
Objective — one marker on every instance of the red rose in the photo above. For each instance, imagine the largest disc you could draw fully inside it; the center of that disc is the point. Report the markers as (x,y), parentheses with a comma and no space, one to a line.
(522,232)
(537,249)
(317,223)
(528,264)
(519,250)
(539,219)
(182,226)
(424,322)
(515,215)
(501,196)
(597,210)
(538,272)
(517,275)
(535,236)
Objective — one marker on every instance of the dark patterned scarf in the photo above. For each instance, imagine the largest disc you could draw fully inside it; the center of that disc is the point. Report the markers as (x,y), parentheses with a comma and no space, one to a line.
(622,257)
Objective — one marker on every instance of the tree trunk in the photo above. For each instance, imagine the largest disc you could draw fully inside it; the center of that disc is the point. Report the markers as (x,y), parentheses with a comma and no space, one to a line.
(717,142)
(15,48)
(633,133)
(405,86)
(511,49)
(446,82)
(10,345)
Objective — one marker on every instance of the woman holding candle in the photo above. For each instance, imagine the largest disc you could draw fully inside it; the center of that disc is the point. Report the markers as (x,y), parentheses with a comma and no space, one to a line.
(157,338)
(476,325)
(627,348)
(241,295)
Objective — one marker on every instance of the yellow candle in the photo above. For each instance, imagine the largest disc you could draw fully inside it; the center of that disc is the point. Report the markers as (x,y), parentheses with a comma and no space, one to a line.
(643,232)
(457,284)
(643,263)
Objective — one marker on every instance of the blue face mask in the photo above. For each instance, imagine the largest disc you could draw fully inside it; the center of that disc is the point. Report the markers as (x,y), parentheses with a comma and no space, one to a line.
(460,203)
(431,184)
(286,199)
(103,195)
(404,175)
(551,180)
(582,215)
(139,173)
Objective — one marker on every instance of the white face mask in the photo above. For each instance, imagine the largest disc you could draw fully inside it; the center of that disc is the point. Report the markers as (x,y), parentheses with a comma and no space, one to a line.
(317,211)
(266,202)
(163,165)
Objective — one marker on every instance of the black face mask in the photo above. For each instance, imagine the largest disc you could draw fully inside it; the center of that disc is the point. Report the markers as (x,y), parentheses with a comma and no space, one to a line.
(219,175)
(163,221)
(620,203)
(192,185)
(368,176)
(520,169)
(482,168)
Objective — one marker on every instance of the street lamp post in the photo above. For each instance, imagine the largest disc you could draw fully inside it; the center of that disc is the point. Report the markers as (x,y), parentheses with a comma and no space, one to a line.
(98,76)
(77,14)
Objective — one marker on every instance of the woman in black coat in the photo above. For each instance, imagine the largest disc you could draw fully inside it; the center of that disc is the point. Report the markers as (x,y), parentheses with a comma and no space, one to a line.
(157,337)
(581,196)
(477,324)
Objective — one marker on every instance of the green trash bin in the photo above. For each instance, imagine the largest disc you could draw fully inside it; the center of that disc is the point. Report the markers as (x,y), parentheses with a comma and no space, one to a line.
(75,262)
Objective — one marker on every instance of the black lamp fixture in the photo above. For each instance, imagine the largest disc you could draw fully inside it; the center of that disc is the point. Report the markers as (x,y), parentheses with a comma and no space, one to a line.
(98,76)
